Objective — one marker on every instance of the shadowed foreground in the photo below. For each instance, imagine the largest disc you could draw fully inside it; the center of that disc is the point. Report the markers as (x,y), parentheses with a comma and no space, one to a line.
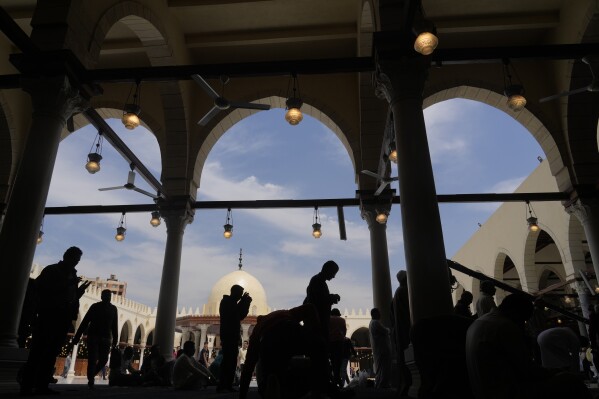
(104,391)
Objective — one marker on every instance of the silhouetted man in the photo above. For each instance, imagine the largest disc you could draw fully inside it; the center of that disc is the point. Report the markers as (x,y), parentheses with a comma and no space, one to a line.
(486,302)
(187,372)
(57,305)
(101,322)
(380,341)
(233,308)
(402,323)
(337,332)
(462,307)
(319,296)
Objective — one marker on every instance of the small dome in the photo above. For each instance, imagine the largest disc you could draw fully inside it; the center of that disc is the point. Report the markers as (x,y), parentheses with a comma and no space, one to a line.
(249,283)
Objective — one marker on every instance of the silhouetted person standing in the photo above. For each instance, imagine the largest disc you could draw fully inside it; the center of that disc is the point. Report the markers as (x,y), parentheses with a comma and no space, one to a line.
(319,296)
(337,332)
(101,322)
(462,307)
(380,341)
(56,305)
(402,322)
(233,308)
(486,302)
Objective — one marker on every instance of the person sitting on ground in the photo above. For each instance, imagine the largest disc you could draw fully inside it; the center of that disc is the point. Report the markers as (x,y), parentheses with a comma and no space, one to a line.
(187,372)
(122,374)
(154,370)
(215,364)
(462,307)
(500,365)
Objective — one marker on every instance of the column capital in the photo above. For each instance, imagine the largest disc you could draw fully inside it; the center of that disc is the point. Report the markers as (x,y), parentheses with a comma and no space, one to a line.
(178,213)
(54,96)
(582,211)
(370,211)
(401,79)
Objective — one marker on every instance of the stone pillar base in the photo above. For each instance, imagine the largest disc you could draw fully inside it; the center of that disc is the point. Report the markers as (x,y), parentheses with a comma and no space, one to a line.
(11,360)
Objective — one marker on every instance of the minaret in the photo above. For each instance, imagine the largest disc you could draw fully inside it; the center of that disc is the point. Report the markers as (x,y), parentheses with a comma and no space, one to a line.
(240,265)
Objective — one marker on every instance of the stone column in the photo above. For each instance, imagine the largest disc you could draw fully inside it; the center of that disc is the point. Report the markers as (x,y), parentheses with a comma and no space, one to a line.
(204,332)
(71,372)
(381,277)
(164,334)
(197,342)
(588,215)
(54,101)
(401,83)
(142,348)
(245,328)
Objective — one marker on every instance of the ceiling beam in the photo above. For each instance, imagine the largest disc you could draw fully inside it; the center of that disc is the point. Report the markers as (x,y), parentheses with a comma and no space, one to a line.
(308,203)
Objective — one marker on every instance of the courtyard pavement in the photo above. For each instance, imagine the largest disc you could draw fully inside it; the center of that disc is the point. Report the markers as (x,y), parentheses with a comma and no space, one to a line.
(76,387)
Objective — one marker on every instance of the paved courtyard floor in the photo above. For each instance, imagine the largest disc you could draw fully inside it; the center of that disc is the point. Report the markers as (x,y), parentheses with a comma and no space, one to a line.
(76,387)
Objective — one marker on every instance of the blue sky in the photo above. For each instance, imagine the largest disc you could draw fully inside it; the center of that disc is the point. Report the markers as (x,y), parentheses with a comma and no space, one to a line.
(474,148)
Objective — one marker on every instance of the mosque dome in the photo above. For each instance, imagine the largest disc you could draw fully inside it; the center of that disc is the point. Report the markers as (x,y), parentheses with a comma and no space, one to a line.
(248,282)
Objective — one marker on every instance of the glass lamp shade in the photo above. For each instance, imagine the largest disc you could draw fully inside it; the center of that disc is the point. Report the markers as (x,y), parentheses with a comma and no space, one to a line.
(131,116)
(130,120)
(120,233)
(155,221)
(426,43)
(93,162)
(515,97)
(597,290)
(516,102)
(228,231)
(316,233)
(393,156)
(568,300)
(381,217)
(40,237)
(293,114)
(532,224)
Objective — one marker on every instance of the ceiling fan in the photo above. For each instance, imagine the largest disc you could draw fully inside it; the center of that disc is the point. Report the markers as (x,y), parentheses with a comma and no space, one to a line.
(592,62)
(384,180)
(220,102)
(130,185)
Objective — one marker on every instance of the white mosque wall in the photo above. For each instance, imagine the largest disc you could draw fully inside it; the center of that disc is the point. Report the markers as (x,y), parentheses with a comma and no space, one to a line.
(506,233)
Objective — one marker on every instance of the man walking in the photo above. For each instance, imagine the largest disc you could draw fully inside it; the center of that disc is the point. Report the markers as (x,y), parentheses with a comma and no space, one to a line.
(56,305)
(233,308)
(102,320)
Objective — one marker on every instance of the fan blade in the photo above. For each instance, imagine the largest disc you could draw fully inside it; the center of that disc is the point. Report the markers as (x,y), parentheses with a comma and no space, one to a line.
(204,85)
(111,188)
(381,188)
(139,190)
(371,174)
(564,93)
(263,107)
(211,114)
(131,177)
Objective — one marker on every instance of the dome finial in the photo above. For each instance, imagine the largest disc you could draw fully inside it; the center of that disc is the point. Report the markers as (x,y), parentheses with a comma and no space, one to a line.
(240,265)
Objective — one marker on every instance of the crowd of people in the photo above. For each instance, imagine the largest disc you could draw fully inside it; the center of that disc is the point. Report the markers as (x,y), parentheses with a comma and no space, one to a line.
(504,352)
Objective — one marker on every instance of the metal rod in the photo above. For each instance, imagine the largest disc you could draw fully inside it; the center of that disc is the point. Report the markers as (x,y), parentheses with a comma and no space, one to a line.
(304,203)
(480,276)
(110,135)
